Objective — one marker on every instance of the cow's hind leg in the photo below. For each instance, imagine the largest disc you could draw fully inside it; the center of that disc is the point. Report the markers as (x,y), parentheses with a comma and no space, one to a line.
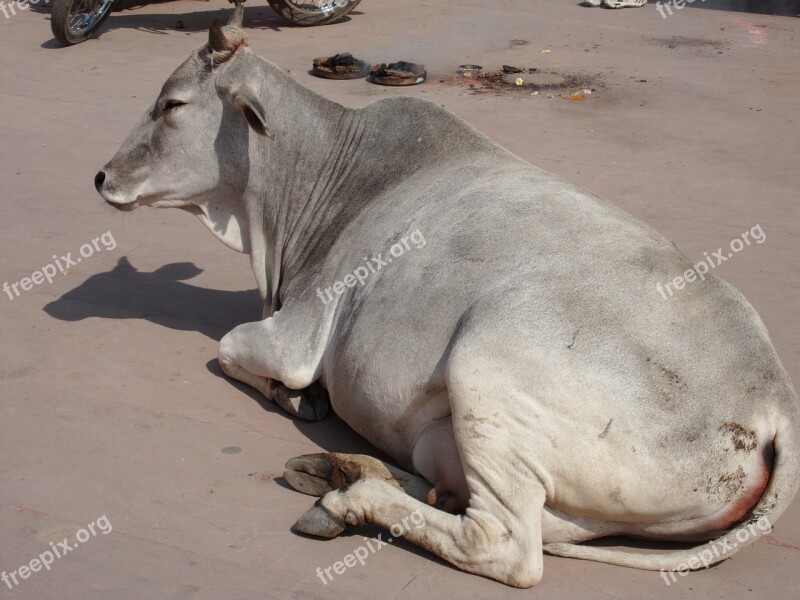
(500,534)
(484,541)
(318,474)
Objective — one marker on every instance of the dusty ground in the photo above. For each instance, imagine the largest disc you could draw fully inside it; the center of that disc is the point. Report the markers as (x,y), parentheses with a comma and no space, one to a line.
(112,403)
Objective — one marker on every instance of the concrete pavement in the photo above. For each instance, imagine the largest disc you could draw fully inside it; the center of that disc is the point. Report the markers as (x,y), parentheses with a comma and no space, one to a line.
(111,402)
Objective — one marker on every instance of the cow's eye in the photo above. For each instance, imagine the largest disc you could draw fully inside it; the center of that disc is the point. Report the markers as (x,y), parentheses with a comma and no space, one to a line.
(172,105)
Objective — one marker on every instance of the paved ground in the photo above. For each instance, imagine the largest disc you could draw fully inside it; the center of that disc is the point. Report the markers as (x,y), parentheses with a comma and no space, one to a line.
(111,400)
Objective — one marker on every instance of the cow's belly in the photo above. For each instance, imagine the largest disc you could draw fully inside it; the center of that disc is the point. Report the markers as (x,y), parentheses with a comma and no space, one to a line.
(391,417)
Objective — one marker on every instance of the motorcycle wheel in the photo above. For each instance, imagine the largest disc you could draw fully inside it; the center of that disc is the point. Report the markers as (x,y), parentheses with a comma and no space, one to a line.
(307,13)
(74,21)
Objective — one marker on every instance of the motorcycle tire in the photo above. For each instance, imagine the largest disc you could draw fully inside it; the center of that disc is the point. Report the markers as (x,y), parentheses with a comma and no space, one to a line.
(73,22)
(308,13)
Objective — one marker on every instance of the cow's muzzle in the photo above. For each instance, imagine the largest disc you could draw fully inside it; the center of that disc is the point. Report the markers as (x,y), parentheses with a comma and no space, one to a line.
(99,181)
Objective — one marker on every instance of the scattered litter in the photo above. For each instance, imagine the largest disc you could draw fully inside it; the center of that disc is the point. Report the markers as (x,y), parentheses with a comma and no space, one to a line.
(399,73)
(499,81)
(546,51)
(179,24)
(577,97)
(549,96)
(340,66)
(469,70)
(510,69)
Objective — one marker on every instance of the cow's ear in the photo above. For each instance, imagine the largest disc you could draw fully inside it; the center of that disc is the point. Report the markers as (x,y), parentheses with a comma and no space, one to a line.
(253,111)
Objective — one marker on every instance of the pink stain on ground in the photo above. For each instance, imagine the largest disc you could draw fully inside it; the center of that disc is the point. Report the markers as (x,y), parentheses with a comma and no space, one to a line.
(756,32)
(768,539)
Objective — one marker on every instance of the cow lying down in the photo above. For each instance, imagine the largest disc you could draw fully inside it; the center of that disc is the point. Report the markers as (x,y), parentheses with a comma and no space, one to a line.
(514,358)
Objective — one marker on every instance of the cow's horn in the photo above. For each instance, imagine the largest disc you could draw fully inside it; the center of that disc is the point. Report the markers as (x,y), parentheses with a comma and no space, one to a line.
(223,44)
(217,40)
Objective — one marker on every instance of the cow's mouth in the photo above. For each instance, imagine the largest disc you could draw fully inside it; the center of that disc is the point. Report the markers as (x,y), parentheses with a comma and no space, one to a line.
(150,201)
(124,207)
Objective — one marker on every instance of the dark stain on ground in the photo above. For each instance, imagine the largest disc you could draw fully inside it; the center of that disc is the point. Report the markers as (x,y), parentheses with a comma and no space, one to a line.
(741,438)
(498,83)
(518,42)
(680,41)
(768,539)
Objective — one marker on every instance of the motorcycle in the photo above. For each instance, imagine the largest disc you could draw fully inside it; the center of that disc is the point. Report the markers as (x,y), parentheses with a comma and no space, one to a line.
(75,21)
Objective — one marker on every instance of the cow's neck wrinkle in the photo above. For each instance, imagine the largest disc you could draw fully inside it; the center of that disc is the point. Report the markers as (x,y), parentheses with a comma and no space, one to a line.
(293,202)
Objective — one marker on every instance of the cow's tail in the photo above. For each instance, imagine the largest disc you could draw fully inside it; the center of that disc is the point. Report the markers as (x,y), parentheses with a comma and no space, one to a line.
(780,490)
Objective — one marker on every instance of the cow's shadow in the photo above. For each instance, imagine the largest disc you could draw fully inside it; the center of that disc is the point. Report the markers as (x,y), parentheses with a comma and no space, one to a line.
(162,297)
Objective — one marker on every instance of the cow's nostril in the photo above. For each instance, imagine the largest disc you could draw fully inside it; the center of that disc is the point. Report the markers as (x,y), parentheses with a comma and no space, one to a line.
(98,180)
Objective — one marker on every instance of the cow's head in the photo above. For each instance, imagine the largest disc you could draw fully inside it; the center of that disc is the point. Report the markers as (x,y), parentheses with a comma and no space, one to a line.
(191,148)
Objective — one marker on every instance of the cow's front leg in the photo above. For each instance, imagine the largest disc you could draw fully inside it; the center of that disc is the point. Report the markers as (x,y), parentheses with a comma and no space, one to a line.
(276,358)
(309,404)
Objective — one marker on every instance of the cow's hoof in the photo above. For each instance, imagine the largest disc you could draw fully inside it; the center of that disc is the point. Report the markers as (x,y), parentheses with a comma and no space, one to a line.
(318,474)
(310,404)
(307,484)
(319,521)
(310,474)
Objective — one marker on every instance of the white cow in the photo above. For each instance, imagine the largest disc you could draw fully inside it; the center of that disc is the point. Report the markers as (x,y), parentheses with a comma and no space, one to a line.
(507,344)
